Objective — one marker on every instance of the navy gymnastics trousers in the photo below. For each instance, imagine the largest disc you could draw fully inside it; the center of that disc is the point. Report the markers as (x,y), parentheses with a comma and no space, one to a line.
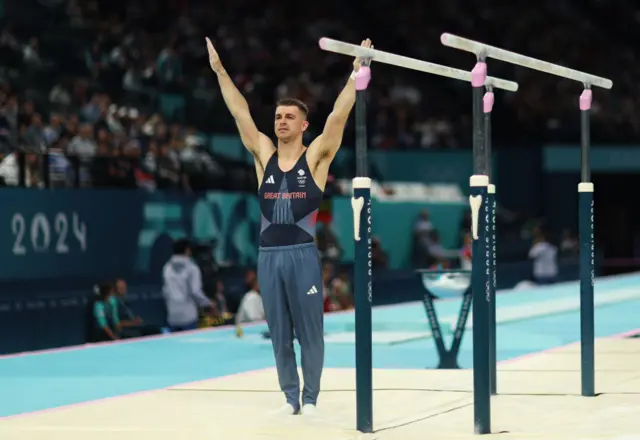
(290,280)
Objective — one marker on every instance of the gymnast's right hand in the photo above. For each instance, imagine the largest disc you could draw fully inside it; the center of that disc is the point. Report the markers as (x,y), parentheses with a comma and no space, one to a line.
(214,58)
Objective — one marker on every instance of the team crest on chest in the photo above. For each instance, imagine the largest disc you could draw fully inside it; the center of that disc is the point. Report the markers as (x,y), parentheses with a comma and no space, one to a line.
(302,178)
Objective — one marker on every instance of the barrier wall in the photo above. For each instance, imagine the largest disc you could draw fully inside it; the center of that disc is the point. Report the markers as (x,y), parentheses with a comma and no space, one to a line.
(108,233)
(50,320)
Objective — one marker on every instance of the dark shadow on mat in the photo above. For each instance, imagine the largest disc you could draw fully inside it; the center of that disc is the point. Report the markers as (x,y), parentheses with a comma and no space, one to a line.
(617,393)
(387,428)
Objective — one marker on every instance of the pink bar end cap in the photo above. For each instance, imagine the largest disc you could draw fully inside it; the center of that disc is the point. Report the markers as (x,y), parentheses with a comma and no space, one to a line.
(585,99)
(487,101)
(479,74)
(323,43)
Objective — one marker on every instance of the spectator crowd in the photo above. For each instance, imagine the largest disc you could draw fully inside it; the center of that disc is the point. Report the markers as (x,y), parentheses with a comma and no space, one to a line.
(129,81)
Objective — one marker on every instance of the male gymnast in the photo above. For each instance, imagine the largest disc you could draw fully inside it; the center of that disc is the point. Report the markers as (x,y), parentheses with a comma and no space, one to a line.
(291,180)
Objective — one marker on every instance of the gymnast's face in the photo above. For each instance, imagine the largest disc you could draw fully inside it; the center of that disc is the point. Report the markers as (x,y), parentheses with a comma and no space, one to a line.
(290,122)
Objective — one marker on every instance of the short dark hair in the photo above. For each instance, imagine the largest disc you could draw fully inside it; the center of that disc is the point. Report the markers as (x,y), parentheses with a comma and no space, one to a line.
(181,246)
(103,289)
(293,102)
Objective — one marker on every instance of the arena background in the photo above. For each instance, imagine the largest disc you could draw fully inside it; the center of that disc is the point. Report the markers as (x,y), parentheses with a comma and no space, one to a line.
(165,160)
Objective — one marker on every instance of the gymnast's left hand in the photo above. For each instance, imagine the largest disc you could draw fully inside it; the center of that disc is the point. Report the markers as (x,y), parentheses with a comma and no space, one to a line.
(358,61)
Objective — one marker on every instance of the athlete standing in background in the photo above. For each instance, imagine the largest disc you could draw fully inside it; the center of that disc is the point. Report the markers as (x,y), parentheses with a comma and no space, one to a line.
(292,179)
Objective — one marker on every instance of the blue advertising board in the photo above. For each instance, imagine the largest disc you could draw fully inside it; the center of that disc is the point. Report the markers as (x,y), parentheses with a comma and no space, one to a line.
(108,233)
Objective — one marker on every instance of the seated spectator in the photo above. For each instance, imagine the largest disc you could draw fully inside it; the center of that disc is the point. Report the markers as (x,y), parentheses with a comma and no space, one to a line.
(105,324)
(442,257)
(220,300)
(336,290)
(131,325)
(119,301)
(251,308)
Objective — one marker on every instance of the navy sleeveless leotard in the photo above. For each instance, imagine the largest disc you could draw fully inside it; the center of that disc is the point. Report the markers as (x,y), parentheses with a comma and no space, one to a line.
(289,203)
(290,276)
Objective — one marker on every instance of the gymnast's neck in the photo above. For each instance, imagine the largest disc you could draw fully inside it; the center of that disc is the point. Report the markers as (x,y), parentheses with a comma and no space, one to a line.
(290,149)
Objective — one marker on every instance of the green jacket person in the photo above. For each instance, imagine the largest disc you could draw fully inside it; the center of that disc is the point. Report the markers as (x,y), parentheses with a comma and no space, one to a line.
(106,321)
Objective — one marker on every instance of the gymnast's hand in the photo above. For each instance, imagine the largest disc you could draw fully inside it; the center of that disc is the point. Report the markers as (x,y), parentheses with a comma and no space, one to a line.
(360,62)
(214,58)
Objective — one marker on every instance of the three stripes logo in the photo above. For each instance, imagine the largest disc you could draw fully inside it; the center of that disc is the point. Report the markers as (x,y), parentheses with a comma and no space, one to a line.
(270,179)
(312,291)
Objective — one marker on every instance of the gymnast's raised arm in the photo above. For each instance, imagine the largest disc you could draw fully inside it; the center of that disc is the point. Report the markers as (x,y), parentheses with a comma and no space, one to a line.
(257,143)
(324,148)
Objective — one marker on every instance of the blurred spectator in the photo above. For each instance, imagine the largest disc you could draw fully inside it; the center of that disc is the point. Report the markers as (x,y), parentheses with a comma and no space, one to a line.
(166,167)
(169,68)
(466,254)
(131,325)
(182,289)
(569,244)
(60,97)
(54,130)
(439,255)
(251,308)
(544,256)
(105,321)
(84,147)
(10,170)
(31,53)
(221,310)
(342,290)
(422,229)
(379,257)
(120,301)
(33,135)
(327,243)
(336,289)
